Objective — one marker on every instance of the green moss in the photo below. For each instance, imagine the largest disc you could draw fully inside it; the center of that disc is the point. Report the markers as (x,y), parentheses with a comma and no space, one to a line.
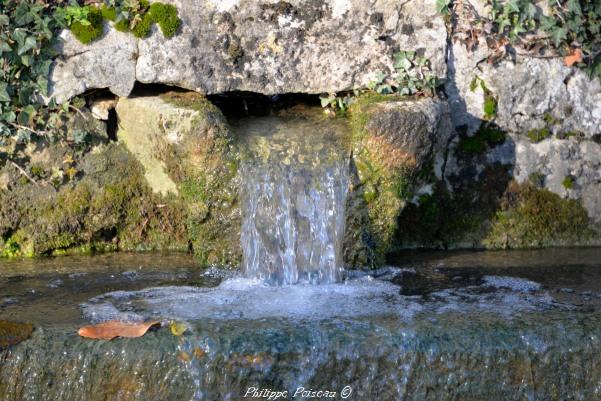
(122,25)
(537,179)
(538,135)
(109,13)
(143,27)
(531,217)
(166,16)
(11,248)
(490,105)
(37,171)
(87,33)
(568,182)
(571,134)
(550,120)
(488,136)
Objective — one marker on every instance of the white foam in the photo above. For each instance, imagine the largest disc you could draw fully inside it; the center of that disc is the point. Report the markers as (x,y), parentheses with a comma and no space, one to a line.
(241,298)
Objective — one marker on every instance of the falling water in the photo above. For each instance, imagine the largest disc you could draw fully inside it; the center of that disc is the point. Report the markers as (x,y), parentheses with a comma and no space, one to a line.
(293,195)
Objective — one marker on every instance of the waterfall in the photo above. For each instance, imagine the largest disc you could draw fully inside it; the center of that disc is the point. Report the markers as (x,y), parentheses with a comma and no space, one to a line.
(295,182)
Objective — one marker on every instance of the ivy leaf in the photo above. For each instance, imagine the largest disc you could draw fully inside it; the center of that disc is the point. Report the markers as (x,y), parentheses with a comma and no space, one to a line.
(443,6)
(530,10)
(4,96)
(512,6)
(30,43)
(558,35)
(574,7)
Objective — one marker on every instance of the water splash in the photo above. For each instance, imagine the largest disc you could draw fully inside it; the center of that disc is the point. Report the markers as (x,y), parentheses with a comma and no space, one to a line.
(294,189)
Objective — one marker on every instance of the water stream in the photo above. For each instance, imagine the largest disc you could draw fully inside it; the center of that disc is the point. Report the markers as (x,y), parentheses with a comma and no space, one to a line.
(295,182)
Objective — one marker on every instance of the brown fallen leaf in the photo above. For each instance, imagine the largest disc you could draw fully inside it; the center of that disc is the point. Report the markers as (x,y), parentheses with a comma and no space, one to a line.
(114,328)
(573,58)
(183,356)
(12,333)
(199,353)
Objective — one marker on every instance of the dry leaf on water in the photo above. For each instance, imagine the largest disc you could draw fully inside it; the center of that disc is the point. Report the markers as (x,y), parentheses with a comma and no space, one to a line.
(114,328)
(574,58)
(12,333)
(177,328)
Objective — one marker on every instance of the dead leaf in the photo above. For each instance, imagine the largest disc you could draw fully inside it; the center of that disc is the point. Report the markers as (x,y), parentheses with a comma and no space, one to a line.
(183,356)
(199,353)
(114,328)
(573,58)
(12,333)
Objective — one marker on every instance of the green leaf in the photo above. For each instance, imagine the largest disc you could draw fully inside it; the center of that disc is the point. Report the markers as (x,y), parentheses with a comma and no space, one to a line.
(325,100)
(558,35)
(26,60)
(4,96)
(443,6)
(574,7)
(530,10)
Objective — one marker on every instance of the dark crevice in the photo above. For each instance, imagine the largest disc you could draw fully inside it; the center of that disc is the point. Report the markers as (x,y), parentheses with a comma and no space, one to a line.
(141,90)
(236,105)
(112,125)
(242,104)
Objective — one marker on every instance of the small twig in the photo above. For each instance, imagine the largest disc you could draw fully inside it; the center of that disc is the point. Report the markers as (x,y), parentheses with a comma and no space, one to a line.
(24,173)
(40,133)
(79,111)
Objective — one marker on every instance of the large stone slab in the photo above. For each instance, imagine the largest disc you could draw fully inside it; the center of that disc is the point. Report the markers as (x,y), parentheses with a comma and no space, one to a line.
(262,46)
(530,92)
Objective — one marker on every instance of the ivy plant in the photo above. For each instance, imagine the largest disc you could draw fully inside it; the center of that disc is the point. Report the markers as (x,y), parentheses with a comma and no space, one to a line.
(26,52)
(569,28)
(412,76)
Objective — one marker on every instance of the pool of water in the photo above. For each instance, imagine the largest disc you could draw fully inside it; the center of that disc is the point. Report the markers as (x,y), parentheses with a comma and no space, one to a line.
(520,325)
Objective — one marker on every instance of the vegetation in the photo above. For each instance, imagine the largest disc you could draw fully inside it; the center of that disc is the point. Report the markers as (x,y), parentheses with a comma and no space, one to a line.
(135,16)
(531,217)
(107,210)
(412,76)
(570,28)
(568,182)
(28,34)
(488,136)
(538,135)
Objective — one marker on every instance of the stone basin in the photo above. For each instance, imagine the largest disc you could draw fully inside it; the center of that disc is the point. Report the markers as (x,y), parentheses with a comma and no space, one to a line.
(469,326)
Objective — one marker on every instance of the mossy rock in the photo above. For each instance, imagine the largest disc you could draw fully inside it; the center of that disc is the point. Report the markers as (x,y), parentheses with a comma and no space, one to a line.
(530,217)
(107,206)
(393,139)
(190,140)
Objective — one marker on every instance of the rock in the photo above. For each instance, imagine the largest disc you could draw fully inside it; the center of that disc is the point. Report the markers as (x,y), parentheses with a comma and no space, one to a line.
(532,93)
(554,161)
(106,63)
(100,108)
(303,46)
(186,148)
(393,142)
